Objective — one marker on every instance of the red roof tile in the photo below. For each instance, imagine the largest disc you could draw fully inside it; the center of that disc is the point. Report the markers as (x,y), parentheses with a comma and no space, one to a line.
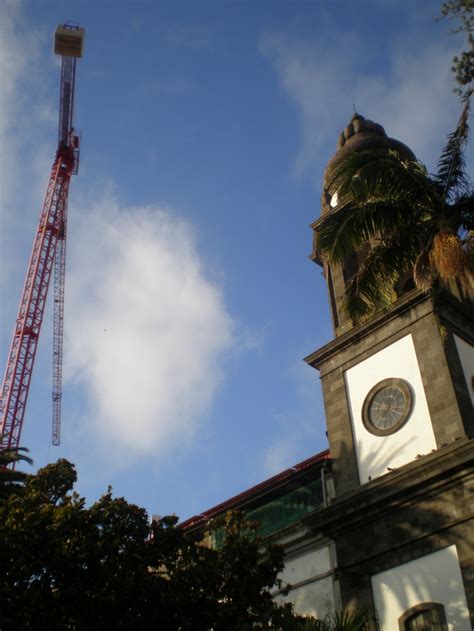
(254,490)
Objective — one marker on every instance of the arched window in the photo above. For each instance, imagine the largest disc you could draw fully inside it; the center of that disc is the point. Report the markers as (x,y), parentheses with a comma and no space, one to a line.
(424,617)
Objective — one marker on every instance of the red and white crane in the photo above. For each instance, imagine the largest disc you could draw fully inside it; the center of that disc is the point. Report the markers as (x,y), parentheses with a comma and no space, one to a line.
(49,250)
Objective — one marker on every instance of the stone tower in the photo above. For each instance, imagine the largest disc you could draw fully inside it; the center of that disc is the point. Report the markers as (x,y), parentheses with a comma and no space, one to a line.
(398,391)
(426,354)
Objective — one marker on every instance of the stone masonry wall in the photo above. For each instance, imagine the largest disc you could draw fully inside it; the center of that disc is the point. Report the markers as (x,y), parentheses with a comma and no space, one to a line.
(440,369)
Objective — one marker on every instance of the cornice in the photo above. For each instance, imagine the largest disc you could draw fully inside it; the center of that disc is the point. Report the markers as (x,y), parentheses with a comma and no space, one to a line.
(445,306)
(340,343)
(429,474)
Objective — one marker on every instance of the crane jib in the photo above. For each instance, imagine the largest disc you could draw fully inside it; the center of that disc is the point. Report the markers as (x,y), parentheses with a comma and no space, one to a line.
(48,253)
(66,102)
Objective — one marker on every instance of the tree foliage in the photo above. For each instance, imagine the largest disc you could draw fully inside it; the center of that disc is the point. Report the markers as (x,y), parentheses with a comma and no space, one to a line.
(11,480)
(462,11)
(358,620)
(68,566)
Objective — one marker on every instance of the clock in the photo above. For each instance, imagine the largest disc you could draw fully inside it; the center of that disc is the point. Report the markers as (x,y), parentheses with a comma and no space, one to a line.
(387,407)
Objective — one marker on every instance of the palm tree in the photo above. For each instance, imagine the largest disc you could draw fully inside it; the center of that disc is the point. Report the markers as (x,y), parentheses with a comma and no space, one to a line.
(12,481)
(409,223)
(359,620)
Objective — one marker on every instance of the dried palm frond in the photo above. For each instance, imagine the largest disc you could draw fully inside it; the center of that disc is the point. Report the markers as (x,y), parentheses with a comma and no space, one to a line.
(468,246)
(423,272)
(448,256)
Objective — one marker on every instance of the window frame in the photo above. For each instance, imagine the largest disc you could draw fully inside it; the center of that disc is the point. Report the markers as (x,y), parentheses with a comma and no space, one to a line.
(419,608)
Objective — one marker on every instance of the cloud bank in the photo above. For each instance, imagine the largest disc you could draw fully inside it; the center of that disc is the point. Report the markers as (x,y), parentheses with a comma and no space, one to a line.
(25,113)
(147,330)
(407,87)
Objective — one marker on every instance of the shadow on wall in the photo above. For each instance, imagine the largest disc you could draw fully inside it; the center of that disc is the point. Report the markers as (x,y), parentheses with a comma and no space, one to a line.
(379,461)
(434,578)
(406,534)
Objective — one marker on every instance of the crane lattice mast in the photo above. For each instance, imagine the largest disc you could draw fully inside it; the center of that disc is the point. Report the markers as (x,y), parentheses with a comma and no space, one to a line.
(59,282)
(51,231)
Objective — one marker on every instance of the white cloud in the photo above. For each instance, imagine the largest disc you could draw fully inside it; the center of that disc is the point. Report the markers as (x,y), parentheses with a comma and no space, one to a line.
(408,89)
(147,330)
(25,113)
(12,70)
(12,62)
(20,62)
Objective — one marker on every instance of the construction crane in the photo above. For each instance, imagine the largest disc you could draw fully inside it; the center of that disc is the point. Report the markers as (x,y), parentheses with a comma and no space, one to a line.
(49,249)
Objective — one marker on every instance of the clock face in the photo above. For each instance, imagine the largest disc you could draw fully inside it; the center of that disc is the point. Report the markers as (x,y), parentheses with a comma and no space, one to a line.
(387,406)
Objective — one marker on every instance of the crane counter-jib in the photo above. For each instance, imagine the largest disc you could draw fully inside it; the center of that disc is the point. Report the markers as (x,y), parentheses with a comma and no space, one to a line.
(69,40)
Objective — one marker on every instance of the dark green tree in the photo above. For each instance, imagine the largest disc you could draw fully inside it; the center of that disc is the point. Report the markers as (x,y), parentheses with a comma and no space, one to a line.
(11,480)
(462,12)
(407,221)
(68,566)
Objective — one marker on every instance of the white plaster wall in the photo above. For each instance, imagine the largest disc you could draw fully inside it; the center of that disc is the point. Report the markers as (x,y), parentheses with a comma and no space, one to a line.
(432,578)
(313,591)
(312,599)
(376,453)
(306,565)
(466,355)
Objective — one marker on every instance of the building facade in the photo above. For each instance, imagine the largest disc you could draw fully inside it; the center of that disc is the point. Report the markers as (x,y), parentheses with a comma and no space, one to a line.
(386,521)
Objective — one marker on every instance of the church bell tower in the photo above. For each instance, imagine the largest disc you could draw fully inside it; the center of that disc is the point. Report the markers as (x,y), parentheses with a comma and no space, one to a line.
(399,385)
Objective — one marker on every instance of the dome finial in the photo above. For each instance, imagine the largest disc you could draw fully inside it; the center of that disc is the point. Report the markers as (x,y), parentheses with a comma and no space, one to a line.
(361,134)
(359,124)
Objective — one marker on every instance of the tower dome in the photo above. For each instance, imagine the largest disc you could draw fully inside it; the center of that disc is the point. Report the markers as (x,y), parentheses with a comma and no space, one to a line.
(361,134)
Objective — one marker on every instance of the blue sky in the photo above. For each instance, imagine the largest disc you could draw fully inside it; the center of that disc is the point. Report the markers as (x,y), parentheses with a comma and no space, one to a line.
(190,300)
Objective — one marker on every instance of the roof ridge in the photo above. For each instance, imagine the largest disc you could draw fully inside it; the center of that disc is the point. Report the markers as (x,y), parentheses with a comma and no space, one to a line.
(236,499)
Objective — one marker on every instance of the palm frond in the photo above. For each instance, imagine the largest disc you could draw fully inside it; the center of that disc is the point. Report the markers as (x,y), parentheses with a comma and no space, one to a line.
(359,620)
(349,227)
(451,173)
(11,480)
(336,235)
(10,456)
(378,193)
(366,293)
(450,259)
(423,273)
(461,213)
(468,245)
(379,173)
(372,287)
